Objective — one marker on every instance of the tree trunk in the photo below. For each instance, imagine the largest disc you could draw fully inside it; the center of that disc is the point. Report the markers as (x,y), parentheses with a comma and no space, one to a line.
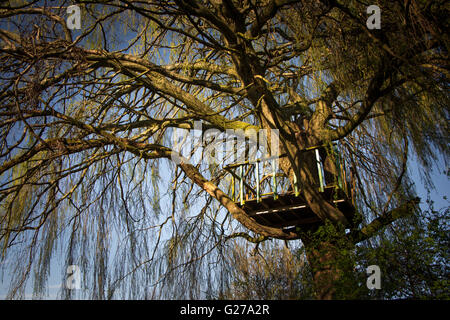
(322,259)
(328,252)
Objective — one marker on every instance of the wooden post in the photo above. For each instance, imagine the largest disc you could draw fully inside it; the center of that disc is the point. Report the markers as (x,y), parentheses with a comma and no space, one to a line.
(319,171)
(258,196)
(241,184)
(232,188)
(274,181)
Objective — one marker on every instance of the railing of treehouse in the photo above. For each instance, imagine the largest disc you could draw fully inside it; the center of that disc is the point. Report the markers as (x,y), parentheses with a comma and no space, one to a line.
(240,175)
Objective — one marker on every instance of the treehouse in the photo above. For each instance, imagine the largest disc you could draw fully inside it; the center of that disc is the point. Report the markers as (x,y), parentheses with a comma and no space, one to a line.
(267,195)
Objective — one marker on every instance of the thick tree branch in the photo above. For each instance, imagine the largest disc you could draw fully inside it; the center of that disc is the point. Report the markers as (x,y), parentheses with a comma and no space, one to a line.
(386,219)
(237,213)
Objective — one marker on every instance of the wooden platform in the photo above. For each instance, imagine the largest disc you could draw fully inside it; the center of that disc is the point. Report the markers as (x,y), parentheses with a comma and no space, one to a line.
(289,210)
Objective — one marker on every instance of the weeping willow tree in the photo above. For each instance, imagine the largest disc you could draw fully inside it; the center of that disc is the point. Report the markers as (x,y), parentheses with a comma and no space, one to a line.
(87,121)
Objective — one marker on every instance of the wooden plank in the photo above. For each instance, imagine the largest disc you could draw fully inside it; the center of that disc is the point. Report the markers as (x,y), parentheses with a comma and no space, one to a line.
(266,222)
(297,222)
(289,210)
(279,209)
